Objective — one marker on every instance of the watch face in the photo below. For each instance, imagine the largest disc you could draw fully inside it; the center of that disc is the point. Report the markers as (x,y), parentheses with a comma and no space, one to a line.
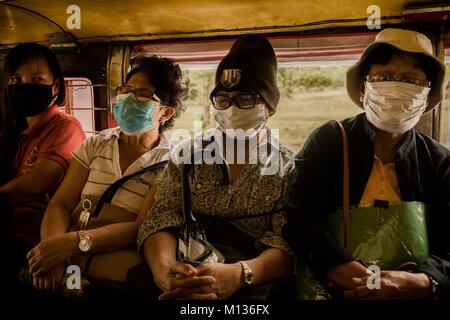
(85,245)
(248,277)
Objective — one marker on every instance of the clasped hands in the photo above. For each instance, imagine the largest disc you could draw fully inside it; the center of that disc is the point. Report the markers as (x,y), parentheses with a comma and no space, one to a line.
(208,281)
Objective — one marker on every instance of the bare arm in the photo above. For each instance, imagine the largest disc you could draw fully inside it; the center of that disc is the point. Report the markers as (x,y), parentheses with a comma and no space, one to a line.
(57,217)
(106,238)
(43,178)
(160,253)
(270,265)
(57,244)
(120,235)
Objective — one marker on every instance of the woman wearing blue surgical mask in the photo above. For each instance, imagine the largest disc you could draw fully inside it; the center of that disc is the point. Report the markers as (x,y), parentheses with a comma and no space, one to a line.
(398,190)
(144,107)
(238,190)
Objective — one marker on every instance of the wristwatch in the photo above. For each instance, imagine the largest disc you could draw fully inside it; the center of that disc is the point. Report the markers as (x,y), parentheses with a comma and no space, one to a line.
(247,272)
(85,243)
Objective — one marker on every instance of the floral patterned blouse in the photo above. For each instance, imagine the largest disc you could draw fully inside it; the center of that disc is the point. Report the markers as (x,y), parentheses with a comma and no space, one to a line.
(258,195)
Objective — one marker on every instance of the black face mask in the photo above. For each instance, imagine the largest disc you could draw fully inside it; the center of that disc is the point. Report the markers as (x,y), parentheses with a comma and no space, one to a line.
(30,99)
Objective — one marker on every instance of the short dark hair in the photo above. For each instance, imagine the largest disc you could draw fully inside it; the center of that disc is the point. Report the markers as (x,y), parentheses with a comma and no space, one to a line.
(383,54)
(26,51)
(166,76)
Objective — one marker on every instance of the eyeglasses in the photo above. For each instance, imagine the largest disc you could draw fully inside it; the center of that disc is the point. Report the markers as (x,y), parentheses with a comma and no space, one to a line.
(242,101)
(141,94)
(380,78)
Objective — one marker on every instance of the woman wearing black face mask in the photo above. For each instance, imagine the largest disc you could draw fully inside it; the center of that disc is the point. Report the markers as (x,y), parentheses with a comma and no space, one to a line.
(36,143)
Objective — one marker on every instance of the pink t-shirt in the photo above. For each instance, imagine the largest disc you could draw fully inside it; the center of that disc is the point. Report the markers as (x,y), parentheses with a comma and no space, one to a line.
(55,136)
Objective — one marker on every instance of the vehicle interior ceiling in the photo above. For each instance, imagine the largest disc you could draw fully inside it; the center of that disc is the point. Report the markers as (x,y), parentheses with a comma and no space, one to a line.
(112,33)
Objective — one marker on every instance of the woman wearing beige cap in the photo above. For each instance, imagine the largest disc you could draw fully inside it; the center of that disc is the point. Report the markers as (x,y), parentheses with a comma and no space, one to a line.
(398,182)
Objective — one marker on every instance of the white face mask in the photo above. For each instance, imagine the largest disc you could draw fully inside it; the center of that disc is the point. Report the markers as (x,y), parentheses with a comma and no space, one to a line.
(394,106)
(250,121)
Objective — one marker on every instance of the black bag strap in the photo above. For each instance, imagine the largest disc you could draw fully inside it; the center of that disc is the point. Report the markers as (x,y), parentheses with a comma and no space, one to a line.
(112,189)
(188,216)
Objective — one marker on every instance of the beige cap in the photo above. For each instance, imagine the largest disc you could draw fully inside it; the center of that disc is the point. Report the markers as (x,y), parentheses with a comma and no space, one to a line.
(405,40)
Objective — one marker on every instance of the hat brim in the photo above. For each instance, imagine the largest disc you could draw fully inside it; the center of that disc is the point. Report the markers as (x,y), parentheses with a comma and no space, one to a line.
(355,80)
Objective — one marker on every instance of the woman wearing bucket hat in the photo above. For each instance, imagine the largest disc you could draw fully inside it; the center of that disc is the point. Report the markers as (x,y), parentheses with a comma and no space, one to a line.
(397,205)
(240,204)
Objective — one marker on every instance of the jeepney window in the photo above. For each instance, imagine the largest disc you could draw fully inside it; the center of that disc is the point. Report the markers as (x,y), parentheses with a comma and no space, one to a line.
(80,103)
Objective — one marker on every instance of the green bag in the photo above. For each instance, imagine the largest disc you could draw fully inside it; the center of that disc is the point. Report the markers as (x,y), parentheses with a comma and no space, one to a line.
(389,235)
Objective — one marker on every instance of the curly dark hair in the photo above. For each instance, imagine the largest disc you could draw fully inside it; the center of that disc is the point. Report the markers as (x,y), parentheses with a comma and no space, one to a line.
(166,76)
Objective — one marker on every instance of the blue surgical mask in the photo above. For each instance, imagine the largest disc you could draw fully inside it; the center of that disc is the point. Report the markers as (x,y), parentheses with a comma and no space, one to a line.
(133,117)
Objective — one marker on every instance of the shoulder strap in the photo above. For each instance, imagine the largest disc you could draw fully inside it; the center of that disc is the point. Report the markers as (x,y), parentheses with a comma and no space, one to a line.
(346,185)
(188,215)
(112,189)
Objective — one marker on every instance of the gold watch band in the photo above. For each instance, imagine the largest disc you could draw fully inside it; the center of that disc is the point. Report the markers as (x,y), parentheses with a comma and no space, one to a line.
(82,235)
(434,286)
(247,273)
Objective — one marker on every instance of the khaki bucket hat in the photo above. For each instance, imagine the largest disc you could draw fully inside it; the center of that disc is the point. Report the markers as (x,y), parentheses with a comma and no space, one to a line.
(405,40)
